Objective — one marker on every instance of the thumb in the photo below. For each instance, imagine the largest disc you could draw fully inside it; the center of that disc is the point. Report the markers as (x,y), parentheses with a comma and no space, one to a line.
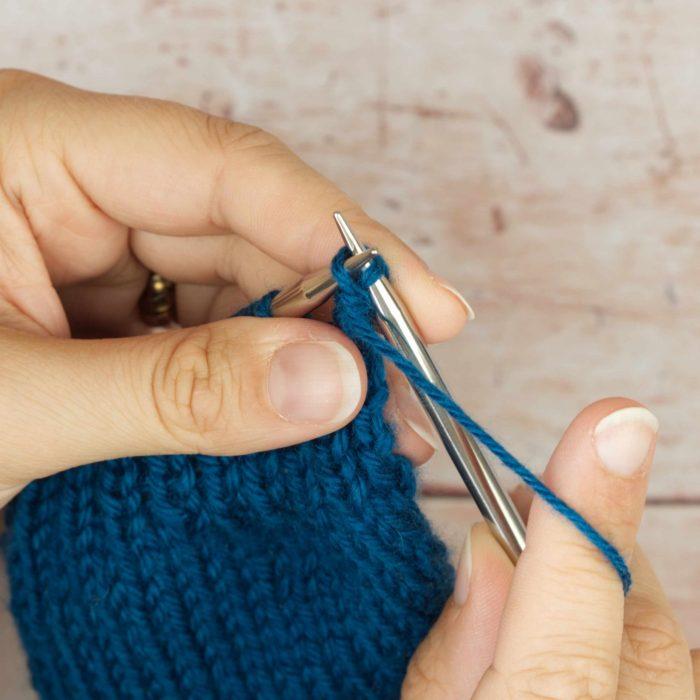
(231,387)
(451,660)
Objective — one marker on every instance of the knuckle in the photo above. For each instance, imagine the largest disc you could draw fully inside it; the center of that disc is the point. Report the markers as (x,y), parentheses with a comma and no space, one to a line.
(197,388)
(232,141)
(495,684)
(423,678)
(654,647)
(566,670)
(228,136)
(571,559)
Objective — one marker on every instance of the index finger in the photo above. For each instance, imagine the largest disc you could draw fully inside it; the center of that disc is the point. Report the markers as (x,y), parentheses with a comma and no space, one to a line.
(562,627)
(173,170)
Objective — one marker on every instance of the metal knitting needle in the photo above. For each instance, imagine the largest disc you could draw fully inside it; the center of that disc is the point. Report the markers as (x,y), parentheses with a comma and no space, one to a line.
(400,330)
(314,289)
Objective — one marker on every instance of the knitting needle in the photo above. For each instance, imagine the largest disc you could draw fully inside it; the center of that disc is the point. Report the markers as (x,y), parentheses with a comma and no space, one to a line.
(397,325)
(400,330)
(314,289)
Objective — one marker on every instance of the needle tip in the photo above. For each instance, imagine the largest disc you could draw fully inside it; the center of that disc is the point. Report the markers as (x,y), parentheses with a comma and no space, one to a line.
(353,245)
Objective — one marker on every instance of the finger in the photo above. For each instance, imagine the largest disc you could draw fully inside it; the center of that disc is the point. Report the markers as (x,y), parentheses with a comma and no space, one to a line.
(451,660)
(409,443)
(522,500)
(172,170)
(24,281)
(231,387)
(196,304)
(563,624)
(655,660)
(214,260)
(415,435)
(106,305)
(695,656)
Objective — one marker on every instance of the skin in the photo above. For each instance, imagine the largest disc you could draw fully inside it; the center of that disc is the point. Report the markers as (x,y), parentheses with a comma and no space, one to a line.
(557,625)
(96,190)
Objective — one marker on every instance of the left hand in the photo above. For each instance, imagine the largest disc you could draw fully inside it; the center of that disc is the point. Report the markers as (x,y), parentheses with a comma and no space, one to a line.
(557,625)
(95,191)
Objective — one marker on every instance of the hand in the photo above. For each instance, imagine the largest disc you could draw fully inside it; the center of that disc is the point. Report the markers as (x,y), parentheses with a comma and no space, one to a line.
(557,625)
(95,191)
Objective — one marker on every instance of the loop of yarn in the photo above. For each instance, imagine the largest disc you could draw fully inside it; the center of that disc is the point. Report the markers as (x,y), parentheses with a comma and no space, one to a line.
(362,326)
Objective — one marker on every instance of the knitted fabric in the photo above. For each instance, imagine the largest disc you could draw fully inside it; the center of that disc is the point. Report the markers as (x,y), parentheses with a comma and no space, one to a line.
(305,572)
(302,572)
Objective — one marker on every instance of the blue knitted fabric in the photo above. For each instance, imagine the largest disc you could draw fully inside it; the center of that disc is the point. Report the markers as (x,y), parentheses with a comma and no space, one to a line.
(305,572)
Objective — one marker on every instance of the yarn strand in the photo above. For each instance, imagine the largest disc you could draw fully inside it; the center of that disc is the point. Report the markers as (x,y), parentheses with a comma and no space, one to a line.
(363,328)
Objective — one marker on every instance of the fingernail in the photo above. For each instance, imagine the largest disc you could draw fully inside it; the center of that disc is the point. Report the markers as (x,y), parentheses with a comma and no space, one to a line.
(314,382)
(623,438)
(467,308)
(411,411)
(464,572)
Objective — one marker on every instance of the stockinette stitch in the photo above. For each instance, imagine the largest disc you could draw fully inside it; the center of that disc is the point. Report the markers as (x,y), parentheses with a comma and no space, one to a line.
(304,572)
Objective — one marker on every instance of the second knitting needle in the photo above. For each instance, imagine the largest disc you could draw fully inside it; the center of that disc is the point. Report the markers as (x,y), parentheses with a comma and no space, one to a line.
(400,330)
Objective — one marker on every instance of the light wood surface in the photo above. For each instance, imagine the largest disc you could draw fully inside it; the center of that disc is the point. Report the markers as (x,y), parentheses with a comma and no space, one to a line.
(542,155)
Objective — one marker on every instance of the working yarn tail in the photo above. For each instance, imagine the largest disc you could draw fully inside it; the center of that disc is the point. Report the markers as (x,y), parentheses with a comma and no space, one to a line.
(361,320)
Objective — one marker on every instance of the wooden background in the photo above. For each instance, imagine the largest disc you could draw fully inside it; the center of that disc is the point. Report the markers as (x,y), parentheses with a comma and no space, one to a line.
(544,156)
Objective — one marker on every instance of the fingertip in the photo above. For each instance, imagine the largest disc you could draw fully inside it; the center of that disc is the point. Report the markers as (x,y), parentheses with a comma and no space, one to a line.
(244,384)
(461,645)
(578,440)
(318,379)
(463,576)
(490,563)
(439,311)
(483,565)
(624,440)
(416,437)
(466,306)
(410,444)
(616,435)
(600,468)
(438,308)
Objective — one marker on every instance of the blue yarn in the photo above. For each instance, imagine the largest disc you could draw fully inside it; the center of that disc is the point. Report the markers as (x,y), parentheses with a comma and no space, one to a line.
(361,323)
(304,572)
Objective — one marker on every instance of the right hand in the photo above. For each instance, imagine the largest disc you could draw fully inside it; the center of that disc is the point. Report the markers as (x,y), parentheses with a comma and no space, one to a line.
(557,625)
